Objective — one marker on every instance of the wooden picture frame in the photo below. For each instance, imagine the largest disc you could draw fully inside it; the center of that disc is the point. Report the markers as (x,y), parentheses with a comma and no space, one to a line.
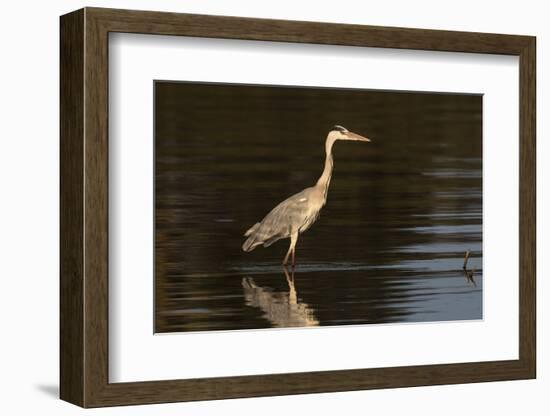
(84,207)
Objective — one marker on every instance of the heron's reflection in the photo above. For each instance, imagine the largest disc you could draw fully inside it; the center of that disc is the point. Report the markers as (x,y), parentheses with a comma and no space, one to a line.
(282,309)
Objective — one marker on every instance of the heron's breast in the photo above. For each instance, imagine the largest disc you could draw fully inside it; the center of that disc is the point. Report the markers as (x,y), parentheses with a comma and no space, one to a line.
(311,214)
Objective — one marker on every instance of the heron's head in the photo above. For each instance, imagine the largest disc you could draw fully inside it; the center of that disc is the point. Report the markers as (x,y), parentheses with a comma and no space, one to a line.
(341,133)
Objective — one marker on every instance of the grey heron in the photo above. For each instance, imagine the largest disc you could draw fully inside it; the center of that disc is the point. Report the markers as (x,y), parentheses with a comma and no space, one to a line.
(297,213)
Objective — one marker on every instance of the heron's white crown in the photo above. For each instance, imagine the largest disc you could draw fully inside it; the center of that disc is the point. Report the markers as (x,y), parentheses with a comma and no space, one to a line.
(341,129)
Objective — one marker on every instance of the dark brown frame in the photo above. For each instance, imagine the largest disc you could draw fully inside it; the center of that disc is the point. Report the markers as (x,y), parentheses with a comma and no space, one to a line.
(84,214)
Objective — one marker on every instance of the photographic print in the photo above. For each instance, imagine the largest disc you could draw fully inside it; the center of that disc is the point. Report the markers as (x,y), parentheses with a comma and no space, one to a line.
(285,206)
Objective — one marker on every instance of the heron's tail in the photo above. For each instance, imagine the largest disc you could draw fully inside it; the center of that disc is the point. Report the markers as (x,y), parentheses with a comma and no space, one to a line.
(259,234)
(251,243)
(252,229)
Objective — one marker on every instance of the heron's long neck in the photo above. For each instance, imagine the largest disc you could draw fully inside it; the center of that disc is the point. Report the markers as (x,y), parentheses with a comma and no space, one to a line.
(324,180)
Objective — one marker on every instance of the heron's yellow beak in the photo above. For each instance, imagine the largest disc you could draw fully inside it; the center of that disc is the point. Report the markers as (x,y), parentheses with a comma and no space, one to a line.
(357,137)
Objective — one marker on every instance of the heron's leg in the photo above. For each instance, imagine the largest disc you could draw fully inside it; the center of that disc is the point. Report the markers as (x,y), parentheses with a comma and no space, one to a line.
(285,260)
(293,239)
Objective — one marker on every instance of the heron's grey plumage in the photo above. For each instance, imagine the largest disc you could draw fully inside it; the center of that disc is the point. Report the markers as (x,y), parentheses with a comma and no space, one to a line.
(297,213)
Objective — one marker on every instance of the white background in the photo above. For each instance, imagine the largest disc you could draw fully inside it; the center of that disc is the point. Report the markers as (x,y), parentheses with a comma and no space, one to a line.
(29,217)
(136,355)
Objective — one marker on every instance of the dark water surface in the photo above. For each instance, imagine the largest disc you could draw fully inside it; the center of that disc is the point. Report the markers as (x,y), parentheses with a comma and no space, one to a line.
(390,243)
